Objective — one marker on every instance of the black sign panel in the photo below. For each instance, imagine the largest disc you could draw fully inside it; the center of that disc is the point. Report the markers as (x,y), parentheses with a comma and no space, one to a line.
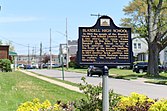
(104,44)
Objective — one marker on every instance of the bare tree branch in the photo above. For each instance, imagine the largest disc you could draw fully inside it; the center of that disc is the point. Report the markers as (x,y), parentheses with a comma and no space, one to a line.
(164,39)
(164,34)
(157,13)
(164,44)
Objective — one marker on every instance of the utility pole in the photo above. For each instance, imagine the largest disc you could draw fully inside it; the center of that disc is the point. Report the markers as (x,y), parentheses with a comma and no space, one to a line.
(67,57)
(50,50)
(41,55)
(28,55)
(62,62)
(32,54)
(35,55)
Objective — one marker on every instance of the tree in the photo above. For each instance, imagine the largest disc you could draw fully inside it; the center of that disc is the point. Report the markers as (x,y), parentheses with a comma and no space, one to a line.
(11,46)
(46,58)
(148,18)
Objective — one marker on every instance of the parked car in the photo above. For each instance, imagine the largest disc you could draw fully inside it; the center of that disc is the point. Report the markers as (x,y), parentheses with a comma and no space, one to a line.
(35,66)
(28,67)
(141,67)
(20,65)
(45,65)
(92,70)
(55,65)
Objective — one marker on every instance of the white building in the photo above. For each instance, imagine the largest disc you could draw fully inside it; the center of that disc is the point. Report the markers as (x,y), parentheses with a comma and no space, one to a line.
(163,57)
(139,48)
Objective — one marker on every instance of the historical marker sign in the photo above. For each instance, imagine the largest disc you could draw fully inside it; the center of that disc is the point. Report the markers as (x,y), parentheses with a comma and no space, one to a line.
(104,44)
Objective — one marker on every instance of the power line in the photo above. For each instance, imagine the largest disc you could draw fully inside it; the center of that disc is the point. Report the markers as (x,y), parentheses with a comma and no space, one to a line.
(15,42)
(28,46)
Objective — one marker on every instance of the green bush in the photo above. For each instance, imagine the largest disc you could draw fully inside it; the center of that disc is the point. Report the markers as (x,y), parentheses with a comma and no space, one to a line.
(93,102)
(134,102)
(37,105)
(160,105)
(5,65)
(72,64)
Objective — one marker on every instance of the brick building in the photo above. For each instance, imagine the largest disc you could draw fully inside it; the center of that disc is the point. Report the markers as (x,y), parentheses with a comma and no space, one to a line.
(4,51)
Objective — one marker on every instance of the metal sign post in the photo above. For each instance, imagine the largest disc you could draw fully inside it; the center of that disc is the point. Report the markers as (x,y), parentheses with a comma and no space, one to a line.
(105,94)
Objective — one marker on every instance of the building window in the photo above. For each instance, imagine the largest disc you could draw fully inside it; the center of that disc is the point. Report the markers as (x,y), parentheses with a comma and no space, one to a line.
(139,45)
(135,46)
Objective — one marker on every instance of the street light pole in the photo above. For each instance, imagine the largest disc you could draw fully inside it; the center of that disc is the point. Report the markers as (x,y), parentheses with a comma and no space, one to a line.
(67,57)
(41,55)
(50,50)
(28,56)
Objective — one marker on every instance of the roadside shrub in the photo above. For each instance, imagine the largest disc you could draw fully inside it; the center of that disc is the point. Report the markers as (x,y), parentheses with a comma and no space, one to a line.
(36,105)
(93,101)
(5,65)
(134,102)
(160,105)
(72,64)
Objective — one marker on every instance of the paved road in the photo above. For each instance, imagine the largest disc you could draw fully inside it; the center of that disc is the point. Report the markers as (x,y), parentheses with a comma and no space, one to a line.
(119,86)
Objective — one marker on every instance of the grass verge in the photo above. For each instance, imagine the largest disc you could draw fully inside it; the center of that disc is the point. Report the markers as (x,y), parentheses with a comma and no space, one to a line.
(84,71)
(124,74)
(63,81)
(128,74)
(161,79)
(16,88)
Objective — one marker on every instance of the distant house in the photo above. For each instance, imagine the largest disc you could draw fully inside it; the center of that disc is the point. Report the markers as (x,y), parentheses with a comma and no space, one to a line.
(163,57)
(34,59)
(73,47)
(4,51)
(140,48)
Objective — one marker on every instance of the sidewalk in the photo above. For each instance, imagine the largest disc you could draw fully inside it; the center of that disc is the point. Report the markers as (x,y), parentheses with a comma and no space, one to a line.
(67,86)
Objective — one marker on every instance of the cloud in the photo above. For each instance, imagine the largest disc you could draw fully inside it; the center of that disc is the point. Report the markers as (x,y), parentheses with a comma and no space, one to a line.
(17,19)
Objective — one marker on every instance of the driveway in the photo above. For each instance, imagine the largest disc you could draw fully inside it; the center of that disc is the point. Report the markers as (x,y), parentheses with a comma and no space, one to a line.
(124,87)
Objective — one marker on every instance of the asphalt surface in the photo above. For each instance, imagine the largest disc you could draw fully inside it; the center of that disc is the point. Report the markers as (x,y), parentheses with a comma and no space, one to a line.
(124,87)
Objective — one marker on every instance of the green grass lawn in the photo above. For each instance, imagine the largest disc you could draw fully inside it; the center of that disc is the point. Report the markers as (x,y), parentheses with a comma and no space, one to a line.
(16,88)
(84,71)
(113,72)
(124,74)
(121,71)
(127,74)
(60,80)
